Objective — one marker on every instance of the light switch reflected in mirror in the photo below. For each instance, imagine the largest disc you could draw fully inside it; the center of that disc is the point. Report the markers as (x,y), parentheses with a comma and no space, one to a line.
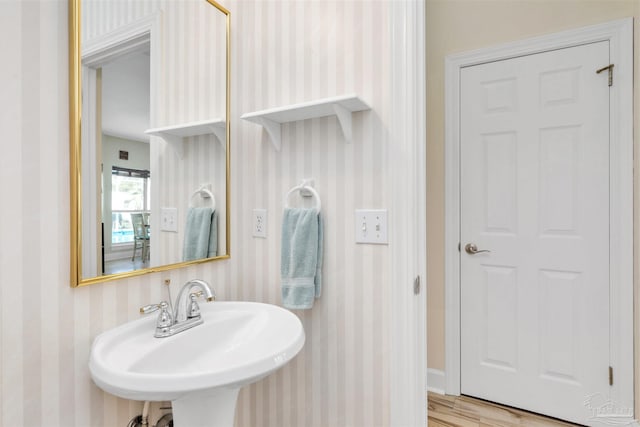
(150,158)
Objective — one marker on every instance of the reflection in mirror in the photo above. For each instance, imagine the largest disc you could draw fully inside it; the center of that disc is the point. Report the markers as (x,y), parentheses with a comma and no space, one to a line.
(153,152)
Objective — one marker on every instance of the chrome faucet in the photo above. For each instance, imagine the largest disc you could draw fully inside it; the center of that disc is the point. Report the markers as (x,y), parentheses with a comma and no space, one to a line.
(186,312)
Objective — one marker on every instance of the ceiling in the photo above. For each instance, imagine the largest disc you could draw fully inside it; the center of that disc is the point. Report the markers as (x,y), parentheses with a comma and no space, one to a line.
(125,96)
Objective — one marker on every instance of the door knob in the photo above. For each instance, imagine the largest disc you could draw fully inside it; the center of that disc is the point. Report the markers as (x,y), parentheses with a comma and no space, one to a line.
(472,249)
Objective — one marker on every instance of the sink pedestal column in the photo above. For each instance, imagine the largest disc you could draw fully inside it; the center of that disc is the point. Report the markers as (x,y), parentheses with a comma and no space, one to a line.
(214,408)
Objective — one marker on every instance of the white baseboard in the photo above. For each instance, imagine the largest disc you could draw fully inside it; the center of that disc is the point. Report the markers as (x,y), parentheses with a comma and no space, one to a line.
(435,381)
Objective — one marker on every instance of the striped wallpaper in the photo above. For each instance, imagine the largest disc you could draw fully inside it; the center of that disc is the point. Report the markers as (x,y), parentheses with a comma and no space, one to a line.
(191,87)
(283,52)
(188,85)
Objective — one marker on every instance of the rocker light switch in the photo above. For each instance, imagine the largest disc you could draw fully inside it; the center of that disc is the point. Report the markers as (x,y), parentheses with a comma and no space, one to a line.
(371,226)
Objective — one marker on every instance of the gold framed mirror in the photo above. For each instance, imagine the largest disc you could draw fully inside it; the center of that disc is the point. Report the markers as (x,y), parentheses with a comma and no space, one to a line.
(149,91)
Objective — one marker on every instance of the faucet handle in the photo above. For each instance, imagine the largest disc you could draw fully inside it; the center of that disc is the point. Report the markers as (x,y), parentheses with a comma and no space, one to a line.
(149,308)
(153,307)
(165,318)
(201,293)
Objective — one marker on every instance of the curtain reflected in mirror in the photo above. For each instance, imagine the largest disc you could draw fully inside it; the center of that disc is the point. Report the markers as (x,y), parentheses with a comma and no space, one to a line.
(153,79)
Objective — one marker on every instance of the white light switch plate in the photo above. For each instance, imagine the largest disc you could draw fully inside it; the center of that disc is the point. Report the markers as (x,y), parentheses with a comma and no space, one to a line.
(371,226)
(169,219)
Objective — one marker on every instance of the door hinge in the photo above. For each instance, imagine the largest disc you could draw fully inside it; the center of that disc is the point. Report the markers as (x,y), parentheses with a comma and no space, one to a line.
(610,375)
(416,285)
(610,69)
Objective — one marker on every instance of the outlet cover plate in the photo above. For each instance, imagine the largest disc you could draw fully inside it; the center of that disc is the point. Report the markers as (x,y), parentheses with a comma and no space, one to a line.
(260,223)
(371,226)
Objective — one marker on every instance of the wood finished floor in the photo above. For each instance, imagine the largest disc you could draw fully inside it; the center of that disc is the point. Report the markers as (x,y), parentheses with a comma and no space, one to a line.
(462,411)
(124,265)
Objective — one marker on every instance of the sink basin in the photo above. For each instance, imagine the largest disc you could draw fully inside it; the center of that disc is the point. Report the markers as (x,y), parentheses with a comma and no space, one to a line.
(200,370)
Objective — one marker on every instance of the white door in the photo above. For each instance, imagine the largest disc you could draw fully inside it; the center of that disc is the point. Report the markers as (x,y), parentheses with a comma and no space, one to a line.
(535,193)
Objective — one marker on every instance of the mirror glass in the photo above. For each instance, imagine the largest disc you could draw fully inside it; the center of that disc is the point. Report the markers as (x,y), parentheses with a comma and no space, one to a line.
(149,136)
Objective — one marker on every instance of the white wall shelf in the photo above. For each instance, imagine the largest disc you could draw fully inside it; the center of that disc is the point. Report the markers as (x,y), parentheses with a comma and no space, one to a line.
(341,106)
(174,135)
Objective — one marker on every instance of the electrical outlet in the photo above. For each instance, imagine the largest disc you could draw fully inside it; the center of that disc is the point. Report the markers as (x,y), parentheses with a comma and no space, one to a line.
(260,223)
(371,226)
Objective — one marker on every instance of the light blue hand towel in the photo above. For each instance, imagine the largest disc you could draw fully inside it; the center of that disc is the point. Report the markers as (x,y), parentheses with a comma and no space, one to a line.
(213,236)
(197,234)
(301,257)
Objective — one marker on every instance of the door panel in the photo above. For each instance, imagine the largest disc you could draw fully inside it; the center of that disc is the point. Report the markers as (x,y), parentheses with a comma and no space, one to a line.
(500,317)
(535,193)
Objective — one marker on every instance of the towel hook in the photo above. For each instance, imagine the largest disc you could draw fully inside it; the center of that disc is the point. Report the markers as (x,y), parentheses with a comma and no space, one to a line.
(306,190)
(205,193)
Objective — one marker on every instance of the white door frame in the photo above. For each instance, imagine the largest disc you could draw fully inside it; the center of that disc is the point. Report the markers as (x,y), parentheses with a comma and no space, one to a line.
(620,36)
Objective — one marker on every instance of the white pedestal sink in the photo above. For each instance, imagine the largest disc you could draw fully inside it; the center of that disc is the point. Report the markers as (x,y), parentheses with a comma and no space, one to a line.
(200,370)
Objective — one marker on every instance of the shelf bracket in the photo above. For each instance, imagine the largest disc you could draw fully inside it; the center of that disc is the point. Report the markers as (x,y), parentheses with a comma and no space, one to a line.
(273,129)
(344,117)
(221,135)
(175,142)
